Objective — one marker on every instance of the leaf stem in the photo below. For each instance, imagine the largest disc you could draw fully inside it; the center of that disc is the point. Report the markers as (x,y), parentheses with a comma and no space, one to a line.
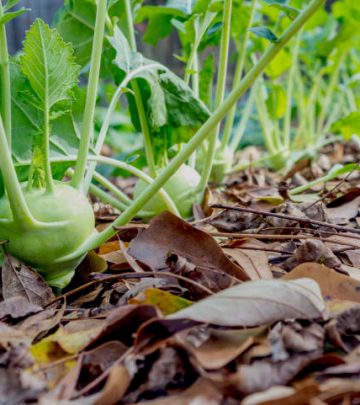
(204,131)
(240,129)
(237,76)
(48,174)
(5,81)
(138,98)
(107,120)
(220,92)
(331,87)
(89,114)
(20,210)
(289,92)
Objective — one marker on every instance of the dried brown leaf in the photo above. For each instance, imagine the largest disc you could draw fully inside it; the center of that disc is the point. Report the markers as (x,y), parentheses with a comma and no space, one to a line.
(20,280)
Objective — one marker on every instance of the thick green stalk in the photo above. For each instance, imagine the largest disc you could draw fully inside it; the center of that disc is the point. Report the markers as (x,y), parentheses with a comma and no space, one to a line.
(141,175)
(237,76)
(89,114)
(289,92)
(20,211)
(5,80)
(220,92)
(138,99)
(204,131)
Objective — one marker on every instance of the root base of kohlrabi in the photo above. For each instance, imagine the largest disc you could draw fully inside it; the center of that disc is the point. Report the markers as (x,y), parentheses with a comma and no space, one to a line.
(69,220)
(181,188)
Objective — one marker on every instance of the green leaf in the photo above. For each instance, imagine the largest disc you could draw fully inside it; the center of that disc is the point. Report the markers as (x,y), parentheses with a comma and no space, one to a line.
(159,21)
(27,121)
(276,101)
(291,12)
(12,14)
(169,102)
(10,4)
(264,32)
(206,80)
(75,22)
(49,65)
(348,126)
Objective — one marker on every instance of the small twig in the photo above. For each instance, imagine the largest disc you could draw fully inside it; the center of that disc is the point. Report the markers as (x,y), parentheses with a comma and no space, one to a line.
(310,230)
(306,221)
(264,249)
(278,237)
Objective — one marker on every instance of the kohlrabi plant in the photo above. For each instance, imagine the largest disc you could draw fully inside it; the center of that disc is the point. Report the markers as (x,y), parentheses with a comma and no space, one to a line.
(47,129)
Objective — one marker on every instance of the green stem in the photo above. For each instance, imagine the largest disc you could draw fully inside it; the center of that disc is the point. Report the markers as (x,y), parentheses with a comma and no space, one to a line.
(89,114)
(107,198)
(204,131)
(255,163)
(107,120)
(20,211)
(237,76)
(48,173)
(240,129)
(220,92)
(264,119)
(289,92)
(5,80)
(138,98)
(141,175)
(199,34)
(121,196)
(331,87)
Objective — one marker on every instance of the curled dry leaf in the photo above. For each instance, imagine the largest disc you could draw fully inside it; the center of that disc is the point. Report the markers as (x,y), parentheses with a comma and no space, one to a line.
(257,302)
(168,235)
(312,250)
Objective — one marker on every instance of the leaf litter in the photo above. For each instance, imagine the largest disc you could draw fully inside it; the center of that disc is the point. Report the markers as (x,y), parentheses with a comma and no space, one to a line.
(253,306)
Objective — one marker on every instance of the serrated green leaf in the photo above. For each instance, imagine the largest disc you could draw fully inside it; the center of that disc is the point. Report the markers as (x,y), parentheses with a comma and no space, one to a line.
(11,15)
(75,22)
(264,32)
(46,57)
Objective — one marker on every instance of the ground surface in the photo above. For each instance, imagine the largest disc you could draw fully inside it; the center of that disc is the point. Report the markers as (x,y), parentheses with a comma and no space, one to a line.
(256,305)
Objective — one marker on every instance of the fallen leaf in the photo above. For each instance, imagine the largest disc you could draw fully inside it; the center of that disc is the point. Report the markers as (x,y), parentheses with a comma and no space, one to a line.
(254,262)
(333,285)
(17,307)
(200,393)
(263,374)
(115,387)
(222,348)
(168,235)
(20,280)
(257,302)
(167,303)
